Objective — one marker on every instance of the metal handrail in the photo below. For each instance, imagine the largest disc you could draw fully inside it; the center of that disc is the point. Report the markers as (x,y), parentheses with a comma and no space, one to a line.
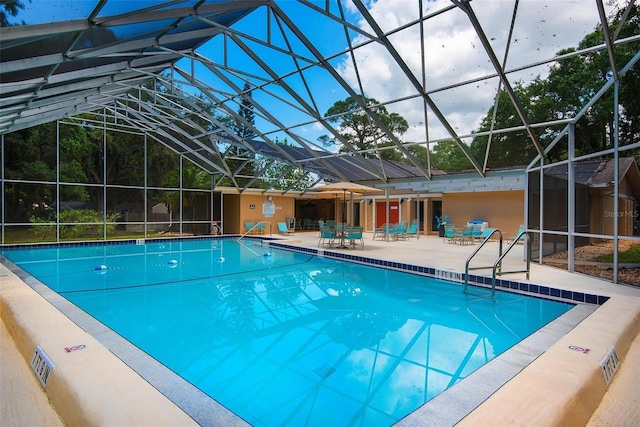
(497,265)
(498,262)
(466,266)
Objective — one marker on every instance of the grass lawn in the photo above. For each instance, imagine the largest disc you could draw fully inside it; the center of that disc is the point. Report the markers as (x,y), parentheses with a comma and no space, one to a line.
(631,255)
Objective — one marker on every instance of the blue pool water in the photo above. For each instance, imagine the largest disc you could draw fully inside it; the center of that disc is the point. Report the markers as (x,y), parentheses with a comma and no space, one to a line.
(283,338)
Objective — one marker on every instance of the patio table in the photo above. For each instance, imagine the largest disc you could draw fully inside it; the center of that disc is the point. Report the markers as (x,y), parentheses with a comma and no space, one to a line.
(341,231)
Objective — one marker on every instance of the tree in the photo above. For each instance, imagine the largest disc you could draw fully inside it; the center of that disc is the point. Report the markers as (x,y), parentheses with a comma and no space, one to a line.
(10,8)
(240,160)
(192,178)
(245,114)
(515,147)
(359,130)
(570,84)
(282,176)
(446,155)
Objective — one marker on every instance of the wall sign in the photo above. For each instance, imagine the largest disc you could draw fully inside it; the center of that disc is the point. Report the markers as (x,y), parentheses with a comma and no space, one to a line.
(268,208)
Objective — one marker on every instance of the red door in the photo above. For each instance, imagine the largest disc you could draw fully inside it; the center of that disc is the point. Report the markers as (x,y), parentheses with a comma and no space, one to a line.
(381,213)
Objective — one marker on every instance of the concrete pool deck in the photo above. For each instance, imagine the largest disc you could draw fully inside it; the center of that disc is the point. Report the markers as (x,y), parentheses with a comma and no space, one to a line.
(561,386)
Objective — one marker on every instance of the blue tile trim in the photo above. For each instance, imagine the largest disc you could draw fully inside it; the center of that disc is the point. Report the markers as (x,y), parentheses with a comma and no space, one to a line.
(534,290)
(531,289)
(120,242)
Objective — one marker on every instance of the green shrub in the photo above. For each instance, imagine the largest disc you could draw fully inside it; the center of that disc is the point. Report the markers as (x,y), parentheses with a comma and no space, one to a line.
(78,224)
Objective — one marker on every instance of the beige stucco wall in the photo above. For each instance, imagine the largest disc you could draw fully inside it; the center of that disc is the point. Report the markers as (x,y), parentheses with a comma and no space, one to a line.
(367,217)
(503,210)
(249,207)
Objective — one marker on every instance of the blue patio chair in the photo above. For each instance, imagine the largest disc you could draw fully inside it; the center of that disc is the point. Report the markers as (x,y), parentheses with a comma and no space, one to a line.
(476,232)
(284,230)
(449,233)
(399,231)
(327,236)
(354,236)
(413,230)
(381,232)
(464,236)
(515,236)
(248,226)
(486,233)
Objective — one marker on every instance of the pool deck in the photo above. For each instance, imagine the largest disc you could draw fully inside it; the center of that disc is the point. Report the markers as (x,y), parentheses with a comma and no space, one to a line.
(560,386)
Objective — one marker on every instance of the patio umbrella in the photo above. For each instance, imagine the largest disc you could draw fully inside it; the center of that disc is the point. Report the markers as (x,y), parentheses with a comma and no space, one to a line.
(345,186)
(333,193)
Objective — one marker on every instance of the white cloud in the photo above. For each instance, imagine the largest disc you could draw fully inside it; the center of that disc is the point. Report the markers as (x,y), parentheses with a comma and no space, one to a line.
(454,53)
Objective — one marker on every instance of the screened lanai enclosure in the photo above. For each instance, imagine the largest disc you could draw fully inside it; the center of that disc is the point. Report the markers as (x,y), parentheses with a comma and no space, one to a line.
(133,119)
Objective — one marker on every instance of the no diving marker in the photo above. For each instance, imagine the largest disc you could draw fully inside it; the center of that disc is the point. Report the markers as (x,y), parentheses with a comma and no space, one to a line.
(580,349)
(75,348)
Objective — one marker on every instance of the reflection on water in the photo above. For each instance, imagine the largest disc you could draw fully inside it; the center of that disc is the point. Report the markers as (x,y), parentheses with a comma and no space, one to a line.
(285,338)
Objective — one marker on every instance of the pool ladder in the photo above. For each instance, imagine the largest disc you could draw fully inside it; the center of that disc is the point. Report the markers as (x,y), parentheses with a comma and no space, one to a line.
(497,265)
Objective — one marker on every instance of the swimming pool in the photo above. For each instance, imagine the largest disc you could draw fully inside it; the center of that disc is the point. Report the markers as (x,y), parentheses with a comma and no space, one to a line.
(286,338)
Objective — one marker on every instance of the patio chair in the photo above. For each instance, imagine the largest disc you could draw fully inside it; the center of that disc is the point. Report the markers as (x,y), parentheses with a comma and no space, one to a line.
(284,230)
(261,227)
(486,233)
(466,236)
(354,236)
(413,230)
(457,236)
(449,233)
(306,224)
(399,231)
(381,232)
(248,227)
(327,236)
(476,233)
(515,236)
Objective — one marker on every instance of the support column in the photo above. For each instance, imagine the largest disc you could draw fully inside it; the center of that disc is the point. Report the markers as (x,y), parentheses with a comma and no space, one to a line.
(104,174)
(145,197)
(616,174)
(418,214)
(3,201)
(57,181)
(180,196)
(571,199)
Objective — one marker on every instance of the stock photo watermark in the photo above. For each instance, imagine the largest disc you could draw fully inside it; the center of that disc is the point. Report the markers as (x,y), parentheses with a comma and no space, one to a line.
(622,214)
